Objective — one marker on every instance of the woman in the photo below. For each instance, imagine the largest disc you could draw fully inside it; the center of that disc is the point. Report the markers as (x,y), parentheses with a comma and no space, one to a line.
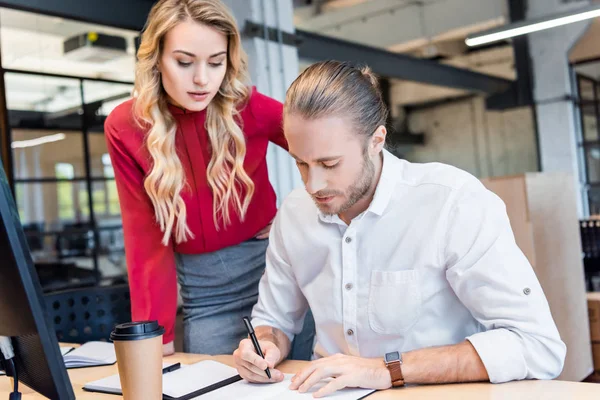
(189,154)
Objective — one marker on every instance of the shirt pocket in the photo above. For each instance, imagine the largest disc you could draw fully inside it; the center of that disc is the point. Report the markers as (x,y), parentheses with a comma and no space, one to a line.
(394,301)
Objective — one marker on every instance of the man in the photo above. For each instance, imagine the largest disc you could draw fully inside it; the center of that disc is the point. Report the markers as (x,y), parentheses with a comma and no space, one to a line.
(411,270)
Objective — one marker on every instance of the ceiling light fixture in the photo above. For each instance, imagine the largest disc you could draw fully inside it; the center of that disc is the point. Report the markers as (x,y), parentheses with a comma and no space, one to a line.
(19,144)
(533,25)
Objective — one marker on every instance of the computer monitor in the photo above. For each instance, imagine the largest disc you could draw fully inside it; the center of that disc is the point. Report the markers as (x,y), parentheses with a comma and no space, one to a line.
(23,315)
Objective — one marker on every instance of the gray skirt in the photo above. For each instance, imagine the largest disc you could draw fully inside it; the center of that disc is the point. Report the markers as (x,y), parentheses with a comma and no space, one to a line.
(219,289)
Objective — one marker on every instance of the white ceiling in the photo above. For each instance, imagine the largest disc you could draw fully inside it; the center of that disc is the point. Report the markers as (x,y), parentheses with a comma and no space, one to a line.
(35,43)
(434,29)
(403,25)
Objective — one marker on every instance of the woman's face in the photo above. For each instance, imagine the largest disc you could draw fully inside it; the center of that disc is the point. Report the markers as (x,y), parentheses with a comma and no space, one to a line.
(193,64)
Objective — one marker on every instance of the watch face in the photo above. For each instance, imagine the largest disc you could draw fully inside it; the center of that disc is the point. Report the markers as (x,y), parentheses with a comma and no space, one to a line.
(391,357)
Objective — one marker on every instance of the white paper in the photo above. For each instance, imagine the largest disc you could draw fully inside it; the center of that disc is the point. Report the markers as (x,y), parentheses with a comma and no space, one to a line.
(277,391)
(91,353)
(195,377)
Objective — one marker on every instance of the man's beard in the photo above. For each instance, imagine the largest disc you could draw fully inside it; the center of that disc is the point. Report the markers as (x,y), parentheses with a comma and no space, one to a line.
(355,192)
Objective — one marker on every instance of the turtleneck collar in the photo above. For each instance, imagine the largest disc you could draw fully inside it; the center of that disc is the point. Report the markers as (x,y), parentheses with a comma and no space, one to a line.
(176,110)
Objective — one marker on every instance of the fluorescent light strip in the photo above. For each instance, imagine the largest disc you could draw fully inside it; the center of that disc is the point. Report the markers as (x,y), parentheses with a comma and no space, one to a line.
(19,144)
(523,28)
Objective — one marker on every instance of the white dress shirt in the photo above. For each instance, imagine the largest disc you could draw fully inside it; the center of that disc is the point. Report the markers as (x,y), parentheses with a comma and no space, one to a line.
(432,261)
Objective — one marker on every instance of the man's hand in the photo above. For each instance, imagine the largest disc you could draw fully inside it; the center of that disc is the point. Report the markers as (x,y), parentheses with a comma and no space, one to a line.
(168,348)
(252,367)
(347,371)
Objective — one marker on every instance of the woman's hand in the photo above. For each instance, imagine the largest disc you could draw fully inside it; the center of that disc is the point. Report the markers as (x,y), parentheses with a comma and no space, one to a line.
(168,349)
(264,233)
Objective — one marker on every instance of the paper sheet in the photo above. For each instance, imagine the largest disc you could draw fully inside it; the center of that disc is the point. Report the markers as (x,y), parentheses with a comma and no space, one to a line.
(278,391)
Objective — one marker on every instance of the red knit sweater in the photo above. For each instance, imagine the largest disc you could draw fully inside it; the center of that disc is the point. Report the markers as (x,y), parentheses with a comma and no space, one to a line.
(151,265)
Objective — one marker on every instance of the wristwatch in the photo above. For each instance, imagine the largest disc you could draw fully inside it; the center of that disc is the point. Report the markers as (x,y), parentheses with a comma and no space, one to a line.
(393,362)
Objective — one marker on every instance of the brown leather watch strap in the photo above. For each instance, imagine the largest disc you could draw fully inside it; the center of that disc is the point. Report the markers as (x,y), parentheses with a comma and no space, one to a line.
(396,373)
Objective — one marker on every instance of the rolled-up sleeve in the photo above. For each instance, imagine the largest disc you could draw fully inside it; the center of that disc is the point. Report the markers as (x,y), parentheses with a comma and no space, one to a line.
(494,280)
(281,303)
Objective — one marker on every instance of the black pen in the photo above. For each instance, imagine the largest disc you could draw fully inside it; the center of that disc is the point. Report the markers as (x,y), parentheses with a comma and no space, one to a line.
(250,330)
(171,368)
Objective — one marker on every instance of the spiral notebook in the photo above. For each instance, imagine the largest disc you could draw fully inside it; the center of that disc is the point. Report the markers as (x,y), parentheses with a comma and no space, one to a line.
(212,380)
(90,354)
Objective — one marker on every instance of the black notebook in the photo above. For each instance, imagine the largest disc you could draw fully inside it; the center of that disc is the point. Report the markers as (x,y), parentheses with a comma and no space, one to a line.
(185,383)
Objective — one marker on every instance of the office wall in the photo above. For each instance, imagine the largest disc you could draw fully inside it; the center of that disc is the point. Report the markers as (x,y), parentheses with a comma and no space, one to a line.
(466,135)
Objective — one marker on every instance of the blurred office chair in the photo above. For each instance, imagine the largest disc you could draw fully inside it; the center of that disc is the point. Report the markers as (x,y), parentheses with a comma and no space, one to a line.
(82,315)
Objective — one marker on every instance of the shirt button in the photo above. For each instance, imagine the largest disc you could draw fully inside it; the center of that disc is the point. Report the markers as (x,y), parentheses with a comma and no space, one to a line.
(526,291)
(348,239)
(350,332)
(348,286)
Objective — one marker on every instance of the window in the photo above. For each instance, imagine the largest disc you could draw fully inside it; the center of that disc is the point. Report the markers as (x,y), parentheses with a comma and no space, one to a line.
(111,186)
(57,102)
(64,191)
(588,106)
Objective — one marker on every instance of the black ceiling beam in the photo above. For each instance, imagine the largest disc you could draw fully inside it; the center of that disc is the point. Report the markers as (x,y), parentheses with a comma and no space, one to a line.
(520,93)
(128,14)
(317,47)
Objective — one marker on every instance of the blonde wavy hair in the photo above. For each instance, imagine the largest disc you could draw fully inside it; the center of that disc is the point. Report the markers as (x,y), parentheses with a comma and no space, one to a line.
(226,175)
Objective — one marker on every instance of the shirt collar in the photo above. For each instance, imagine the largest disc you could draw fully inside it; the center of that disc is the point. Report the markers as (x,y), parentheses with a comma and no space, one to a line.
(386,184)
(383,192)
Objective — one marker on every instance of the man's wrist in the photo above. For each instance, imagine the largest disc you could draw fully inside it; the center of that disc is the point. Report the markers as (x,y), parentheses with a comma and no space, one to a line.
(408,364)
(385,374)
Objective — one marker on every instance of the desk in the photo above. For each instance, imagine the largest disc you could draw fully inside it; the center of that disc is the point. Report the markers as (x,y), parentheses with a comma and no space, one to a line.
(524,390)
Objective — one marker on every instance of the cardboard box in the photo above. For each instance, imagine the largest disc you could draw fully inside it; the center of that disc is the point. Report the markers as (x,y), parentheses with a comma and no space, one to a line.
(542,208)
(596,355)
(593,300)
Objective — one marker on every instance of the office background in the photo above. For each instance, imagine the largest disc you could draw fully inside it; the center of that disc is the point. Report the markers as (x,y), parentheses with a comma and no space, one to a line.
(513,107)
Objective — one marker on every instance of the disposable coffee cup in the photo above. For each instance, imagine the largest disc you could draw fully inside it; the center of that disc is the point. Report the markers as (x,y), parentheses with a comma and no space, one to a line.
(138,346)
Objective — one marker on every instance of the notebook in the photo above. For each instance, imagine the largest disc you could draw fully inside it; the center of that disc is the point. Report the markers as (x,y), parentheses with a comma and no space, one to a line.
(185,383)
(211,380)
(90,354)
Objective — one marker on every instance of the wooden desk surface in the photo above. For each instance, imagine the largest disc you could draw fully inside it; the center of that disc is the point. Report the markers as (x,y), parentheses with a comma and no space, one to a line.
(524,390)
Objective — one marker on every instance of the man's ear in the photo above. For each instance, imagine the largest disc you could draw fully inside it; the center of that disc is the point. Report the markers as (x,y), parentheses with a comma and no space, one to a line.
(378,139)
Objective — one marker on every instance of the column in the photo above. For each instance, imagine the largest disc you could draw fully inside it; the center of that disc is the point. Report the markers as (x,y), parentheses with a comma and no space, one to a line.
(273,67)
(557,128)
